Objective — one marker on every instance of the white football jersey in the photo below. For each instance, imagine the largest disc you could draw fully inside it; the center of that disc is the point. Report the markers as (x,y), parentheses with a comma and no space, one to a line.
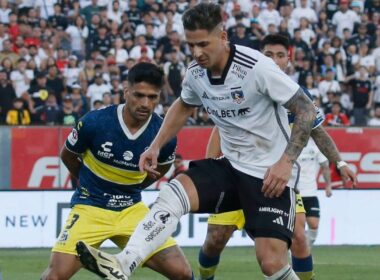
(245,104)
(310,159)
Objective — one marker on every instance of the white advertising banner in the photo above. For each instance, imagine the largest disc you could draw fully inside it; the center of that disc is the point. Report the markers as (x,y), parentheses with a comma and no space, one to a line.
(34,219)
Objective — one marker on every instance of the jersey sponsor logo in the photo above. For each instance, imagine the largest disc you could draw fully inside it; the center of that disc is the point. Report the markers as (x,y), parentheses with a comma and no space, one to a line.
(278,221)
(237,96)
(106,153)
(274,211)
(163,217)
(229,113)
(197,73)
(239,71)
(205,96)
(73,137)
(118,200)
(128,155)
(215,98)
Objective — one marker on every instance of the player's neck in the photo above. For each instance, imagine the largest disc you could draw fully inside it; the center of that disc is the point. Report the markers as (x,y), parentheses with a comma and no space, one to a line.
(132,123)
(217,69)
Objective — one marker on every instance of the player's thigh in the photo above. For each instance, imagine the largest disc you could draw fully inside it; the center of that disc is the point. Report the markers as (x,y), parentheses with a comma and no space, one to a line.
(215,183)
(311,206)
(127,222)
(170,262)
(266,217)
(90,224)
(61,266)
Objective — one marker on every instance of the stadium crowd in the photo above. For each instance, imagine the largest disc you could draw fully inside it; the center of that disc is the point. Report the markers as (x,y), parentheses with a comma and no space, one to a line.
(62,58)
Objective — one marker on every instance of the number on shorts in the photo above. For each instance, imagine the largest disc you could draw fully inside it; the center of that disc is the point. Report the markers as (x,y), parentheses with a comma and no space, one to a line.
(73,221)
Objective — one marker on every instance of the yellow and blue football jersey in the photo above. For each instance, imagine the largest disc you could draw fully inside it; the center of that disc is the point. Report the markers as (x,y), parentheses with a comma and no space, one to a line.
(109,176)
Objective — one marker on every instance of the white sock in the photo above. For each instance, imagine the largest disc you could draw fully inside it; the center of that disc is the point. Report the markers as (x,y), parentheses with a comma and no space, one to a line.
(285,273)
(312,236)
(157,226)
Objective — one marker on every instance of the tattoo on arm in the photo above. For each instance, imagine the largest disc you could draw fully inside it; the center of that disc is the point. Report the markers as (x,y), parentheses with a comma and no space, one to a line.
(325,144)
(305,113)
(326,172)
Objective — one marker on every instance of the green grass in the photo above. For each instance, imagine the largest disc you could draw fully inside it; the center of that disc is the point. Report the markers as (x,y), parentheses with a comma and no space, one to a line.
(330,262)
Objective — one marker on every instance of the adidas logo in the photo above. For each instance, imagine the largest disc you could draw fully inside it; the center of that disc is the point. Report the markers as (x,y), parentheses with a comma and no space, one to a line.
(205,96)
(278,221)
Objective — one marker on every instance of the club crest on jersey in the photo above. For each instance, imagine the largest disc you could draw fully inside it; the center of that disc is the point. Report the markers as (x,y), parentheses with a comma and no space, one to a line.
(237,96)
(128,155)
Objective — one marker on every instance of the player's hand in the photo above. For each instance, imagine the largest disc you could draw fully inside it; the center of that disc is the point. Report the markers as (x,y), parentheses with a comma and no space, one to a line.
(328,191)
(148,162)
(348,175)
(276,178)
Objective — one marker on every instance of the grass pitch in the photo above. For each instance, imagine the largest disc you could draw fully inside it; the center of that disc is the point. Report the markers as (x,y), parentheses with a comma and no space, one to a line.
(330,262)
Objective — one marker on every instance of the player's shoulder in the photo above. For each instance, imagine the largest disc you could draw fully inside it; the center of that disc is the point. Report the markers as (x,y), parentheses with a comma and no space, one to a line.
(97,117)
(250,58)
(195,71)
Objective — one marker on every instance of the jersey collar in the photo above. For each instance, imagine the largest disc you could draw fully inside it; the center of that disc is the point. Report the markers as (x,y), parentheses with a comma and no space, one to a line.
(220,81)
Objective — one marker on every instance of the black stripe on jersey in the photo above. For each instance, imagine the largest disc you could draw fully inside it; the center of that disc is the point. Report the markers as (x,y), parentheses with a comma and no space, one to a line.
(192,66)
(236,88)
(244,60)
(247,56)
(243,64)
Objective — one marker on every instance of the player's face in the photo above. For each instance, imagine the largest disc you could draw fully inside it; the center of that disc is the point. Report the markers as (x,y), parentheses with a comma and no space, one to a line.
(278,53)
(207,47)
(141,99)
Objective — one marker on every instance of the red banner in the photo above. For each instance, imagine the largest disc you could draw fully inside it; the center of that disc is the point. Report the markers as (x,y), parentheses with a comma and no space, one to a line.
(35,160)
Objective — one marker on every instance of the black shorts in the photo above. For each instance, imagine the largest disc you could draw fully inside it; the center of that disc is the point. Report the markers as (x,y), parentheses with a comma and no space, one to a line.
(311,204)
(222,188)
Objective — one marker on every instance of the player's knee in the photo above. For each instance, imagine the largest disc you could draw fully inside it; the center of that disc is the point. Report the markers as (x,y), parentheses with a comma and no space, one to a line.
(182,273)
(270,266)
(51,274)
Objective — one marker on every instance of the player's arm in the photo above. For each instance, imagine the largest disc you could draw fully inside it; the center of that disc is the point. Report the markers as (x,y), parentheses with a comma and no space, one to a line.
(325,169)
(328,148)
(303,109)
(71,161)
(213,149)
(174,120)
(277,176)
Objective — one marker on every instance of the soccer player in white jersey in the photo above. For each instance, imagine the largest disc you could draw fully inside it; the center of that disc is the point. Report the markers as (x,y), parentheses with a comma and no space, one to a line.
(221,226)
(244,93)
(311,160)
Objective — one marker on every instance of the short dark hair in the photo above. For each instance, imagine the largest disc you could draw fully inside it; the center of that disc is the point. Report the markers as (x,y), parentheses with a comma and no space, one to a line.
(275,39)
(146,72)
(202,16)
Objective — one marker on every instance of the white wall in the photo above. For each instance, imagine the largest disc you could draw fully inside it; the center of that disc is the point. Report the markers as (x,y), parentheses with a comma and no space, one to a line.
(33,218)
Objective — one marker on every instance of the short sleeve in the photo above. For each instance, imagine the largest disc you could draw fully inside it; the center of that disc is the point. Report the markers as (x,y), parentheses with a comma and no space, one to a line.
(272,81)
(167,153)
(188,95)
(79,139)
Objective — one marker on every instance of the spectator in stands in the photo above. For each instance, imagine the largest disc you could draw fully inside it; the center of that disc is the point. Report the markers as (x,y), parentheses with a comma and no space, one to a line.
(135,53)
(90,10)
(255,34)
(121,55)
(269,15)
(67,115)
(362,95)
(7,52)
(336,117)
(77,33)
(376,95)
(55,82)
(304,11)
(328,85)
(18,115)
(7,66)
(96,90)
(7,95)
(71,72)
(97,104)
(344,18)
(375,120)
(240,37)
(58,19)
(38,94)
(174,70)
(79,101)
(366,59)
(49,112)
(21,78)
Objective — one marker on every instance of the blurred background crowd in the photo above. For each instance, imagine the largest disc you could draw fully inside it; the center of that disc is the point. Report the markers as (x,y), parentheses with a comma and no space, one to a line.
(61,58)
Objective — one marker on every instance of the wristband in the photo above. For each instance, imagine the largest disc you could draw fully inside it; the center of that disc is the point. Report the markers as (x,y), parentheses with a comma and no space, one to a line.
(340,164)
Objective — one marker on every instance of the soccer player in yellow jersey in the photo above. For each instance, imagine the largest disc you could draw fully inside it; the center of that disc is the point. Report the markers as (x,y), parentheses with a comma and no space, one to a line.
(107,204)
